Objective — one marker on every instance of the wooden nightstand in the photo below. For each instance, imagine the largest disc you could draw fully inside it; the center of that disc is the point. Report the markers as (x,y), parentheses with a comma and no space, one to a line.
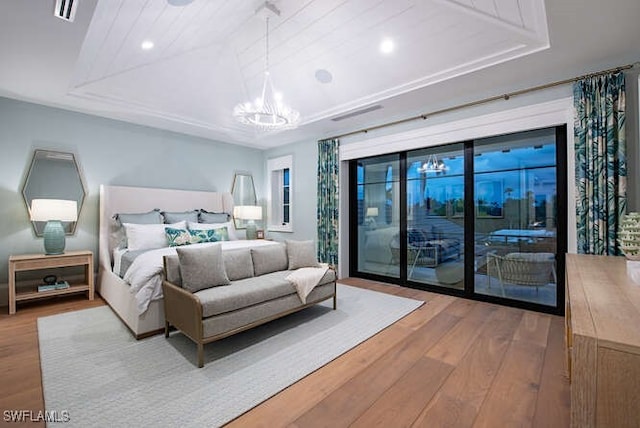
(32,262)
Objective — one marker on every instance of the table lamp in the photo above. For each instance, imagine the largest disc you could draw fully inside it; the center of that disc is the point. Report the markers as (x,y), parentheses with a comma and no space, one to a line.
(371,214)
(54,212)
(250,213)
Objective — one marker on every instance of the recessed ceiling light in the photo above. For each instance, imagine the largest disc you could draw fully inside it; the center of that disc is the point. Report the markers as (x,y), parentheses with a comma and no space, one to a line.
(146,45)
(386,46)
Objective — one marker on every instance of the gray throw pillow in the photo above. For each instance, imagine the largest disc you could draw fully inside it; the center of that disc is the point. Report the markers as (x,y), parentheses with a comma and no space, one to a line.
(301,254)
(238,264)
(117,235)
(176,217)
(202,267)
(269,258)
(172,270)
(207,217)
(151,217)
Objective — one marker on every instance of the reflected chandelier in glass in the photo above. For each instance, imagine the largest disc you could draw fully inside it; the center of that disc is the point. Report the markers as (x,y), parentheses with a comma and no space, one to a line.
(432,164)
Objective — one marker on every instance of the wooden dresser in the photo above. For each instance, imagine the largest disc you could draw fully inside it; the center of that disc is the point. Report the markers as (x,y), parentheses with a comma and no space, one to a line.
(603,342)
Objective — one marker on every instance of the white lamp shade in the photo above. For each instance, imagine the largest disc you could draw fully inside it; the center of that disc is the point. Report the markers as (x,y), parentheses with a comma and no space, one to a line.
(54,209)
(372,212)
(248,212)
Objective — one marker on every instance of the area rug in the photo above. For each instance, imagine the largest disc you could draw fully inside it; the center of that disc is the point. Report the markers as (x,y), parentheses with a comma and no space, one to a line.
(93,368)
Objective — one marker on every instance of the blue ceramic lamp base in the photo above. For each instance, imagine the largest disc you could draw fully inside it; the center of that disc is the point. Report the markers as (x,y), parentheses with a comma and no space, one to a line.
(252,230)
(54,237)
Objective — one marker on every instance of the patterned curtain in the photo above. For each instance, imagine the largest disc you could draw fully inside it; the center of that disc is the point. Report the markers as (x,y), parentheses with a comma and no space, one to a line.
(328,181)
(599,130)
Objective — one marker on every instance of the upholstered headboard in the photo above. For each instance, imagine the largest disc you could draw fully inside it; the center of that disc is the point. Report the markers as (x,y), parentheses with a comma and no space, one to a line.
(125,199)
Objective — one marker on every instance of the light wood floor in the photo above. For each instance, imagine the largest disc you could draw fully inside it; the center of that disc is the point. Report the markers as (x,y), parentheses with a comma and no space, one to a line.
(451,363)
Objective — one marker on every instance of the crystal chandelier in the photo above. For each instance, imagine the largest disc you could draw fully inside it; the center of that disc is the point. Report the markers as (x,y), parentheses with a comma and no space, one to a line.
(432,164)
(268,112)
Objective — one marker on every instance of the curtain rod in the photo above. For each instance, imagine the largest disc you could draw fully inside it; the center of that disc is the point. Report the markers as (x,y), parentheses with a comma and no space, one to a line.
(505,97)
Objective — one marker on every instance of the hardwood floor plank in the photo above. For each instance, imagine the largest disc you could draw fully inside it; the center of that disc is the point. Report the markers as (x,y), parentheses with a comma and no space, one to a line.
(426,312)
(513,395)
(461,307)
(453,347)
(405,399)
(459,400)
(554,398)
(346,404)
(534,328)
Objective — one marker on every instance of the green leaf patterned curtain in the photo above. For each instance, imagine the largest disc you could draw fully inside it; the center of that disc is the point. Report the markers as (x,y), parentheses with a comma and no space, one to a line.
(599,130)
(328,181)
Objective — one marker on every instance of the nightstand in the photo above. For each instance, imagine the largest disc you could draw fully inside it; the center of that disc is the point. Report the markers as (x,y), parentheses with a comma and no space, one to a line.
(33,262)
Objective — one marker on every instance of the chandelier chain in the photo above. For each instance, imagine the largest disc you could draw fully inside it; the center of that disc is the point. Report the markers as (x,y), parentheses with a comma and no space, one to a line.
(267,46)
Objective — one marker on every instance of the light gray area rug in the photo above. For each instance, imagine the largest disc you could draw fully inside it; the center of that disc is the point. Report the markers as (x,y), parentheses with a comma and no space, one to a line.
(95,370)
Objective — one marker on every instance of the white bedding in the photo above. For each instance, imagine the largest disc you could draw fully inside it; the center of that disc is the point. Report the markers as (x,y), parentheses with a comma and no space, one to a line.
(117,259)
(145,273)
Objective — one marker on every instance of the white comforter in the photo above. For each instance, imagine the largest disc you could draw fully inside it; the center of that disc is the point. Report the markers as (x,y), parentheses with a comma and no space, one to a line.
(145,273)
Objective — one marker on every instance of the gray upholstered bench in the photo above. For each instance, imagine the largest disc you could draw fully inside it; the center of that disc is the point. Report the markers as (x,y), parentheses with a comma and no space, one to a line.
(210,294)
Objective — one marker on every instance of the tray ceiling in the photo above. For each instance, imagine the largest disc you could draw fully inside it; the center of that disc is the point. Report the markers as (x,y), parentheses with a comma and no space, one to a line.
(210,54)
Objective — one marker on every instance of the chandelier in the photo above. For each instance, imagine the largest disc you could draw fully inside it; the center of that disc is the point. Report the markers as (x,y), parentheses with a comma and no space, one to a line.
(432,164)
(268,112)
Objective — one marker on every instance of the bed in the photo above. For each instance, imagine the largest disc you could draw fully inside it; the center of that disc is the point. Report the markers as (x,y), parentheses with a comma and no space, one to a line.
(114,289)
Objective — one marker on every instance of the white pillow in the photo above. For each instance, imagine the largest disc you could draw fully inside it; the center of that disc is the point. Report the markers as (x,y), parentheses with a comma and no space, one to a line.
(211,226)
(148,236)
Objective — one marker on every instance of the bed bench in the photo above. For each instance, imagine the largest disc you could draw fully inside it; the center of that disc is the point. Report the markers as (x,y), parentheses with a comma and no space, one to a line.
(256,292)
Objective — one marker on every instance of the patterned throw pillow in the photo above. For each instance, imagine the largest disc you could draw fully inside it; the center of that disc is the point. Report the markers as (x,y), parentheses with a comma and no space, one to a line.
(211,235)
(178,237)
(231,230)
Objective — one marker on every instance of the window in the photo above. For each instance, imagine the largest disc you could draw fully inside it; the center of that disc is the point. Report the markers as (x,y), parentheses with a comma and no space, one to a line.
(280,209)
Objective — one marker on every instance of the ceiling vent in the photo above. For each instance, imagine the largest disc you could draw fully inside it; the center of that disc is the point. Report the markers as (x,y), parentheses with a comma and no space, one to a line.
(356,113)
(66,9)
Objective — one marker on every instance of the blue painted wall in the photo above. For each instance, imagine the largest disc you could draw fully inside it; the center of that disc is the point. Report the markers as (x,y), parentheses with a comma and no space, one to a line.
(109,152)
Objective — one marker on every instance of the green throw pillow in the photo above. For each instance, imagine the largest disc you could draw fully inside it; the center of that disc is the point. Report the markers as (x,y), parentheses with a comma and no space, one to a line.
(177,237)
(209,235)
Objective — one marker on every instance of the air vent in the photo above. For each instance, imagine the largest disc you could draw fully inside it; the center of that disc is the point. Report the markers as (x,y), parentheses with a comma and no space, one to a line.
(356,113)
(66,9)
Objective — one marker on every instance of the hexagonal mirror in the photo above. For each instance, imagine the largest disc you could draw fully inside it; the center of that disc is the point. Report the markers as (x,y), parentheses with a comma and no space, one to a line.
(244,194)
(53,175)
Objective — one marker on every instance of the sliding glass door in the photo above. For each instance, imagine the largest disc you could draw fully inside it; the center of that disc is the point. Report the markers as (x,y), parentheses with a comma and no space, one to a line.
(483,219)
(516,218)
(435,216)
(378,215)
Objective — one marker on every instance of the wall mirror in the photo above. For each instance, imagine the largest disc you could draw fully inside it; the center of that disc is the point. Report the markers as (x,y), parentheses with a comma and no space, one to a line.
(53,175)
(244,193)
